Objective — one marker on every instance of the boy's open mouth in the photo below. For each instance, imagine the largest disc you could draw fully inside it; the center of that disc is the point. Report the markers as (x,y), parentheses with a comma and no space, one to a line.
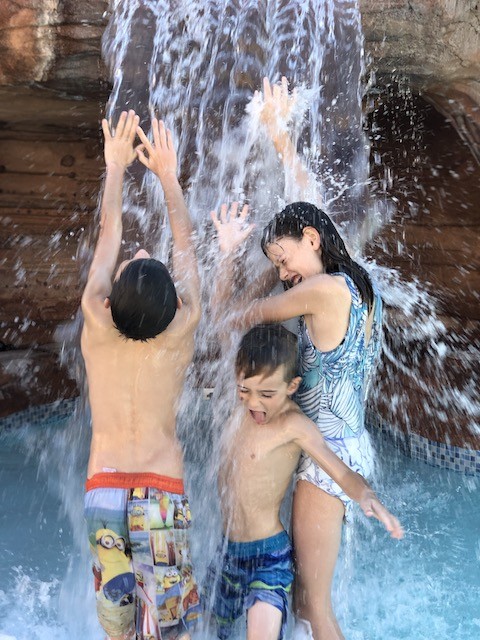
(260,417)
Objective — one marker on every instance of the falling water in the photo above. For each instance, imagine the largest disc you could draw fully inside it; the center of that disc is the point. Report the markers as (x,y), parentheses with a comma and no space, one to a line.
(197,65)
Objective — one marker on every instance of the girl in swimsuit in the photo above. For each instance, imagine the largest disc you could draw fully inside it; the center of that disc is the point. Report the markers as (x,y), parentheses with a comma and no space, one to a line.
(339,336)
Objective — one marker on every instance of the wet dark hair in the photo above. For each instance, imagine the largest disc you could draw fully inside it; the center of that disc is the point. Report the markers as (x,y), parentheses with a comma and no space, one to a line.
(143,300)
(265,348)
(292,221)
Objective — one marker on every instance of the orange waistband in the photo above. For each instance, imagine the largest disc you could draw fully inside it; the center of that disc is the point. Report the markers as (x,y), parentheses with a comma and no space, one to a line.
(133,480)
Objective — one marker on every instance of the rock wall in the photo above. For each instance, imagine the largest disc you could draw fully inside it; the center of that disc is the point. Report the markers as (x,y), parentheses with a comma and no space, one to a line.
(52,93)
(49,181)
(421,165)
(434,47)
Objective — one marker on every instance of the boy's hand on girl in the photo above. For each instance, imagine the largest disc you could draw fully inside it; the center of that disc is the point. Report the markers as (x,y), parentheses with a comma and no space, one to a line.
(232,228)
(119,149)
(372,507)
(160,157)
(277,107)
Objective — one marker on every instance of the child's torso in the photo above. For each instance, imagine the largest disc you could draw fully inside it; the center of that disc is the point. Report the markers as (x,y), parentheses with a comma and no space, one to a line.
(134,390)
(258,464)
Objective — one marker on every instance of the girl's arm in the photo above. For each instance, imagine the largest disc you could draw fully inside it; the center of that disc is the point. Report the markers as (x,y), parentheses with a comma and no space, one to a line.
(232,231)
(313,296)
(277,109)
(309,297)
(307,436)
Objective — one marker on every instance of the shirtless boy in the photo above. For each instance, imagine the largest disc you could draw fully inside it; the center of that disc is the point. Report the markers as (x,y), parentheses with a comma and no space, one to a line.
(270,432)
(137,342)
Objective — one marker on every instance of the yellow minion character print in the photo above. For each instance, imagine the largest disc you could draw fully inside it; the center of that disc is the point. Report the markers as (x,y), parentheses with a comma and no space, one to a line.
(118,580)
(160,551)
(171,578)
(139,493)
(137,518)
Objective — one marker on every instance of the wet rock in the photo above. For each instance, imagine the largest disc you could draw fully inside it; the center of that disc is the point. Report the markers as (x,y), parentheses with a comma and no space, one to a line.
(434,47)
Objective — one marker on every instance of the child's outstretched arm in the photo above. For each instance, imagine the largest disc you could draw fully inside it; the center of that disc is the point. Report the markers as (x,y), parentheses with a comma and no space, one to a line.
(308,297)
(232,231)
(161,158)
(309,438)
(119,153)
(278,104)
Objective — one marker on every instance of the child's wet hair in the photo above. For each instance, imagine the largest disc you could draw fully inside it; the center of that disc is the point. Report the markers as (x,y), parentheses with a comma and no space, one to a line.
(265,348)
(143,300)
(292,221)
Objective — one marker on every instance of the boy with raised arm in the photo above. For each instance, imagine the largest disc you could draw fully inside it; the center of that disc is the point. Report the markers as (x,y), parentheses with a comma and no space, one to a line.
(137,342)
(259,459)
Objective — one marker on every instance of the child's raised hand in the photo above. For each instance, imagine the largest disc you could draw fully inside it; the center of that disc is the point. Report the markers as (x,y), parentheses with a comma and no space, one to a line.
(160,157)
(232,228)
(372,507)
(119,145)
(278,105)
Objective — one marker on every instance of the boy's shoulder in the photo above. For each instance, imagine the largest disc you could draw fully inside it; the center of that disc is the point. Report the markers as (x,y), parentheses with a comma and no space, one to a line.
(295,421)
(98,326)
(181,328)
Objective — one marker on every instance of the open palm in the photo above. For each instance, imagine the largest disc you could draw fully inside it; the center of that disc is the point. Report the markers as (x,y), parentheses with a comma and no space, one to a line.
(232,228)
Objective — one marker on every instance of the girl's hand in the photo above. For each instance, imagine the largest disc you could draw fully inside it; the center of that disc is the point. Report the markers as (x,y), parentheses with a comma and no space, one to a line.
(119,149)
(278,105)
(371,506)
(162,157)
(232,229)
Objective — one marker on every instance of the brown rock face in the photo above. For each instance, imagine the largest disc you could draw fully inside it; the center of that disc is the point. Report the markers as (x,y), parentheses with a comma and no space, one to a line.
(49,180)
(434,45)
(52,90)
(53,43)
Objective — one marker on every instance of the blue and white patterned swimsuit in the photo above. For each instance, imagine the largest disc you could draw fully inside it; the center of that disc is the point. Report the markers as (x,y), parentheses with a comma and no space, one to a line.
(333,390)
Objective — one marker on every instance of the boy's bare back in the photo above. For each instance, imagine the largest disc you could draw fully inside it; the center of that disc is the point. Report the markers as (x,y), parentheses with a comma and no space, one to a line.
(133,390)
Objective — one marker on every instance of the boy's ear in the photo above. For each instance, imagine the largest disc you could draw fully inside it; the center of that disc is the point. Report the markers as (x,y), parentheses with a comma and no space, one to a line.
(293,385)
(106,303)
(179,302)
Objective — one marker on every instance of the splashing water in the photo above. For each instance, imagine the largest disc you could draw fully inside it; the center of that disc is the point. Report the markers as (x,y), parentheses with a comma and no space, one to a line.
(197,66)
(382,589)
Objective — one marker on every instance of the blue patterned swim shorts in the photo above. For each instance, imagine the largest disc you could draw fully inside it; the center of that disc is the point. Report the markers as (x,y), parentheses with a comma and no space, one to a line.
(260,570)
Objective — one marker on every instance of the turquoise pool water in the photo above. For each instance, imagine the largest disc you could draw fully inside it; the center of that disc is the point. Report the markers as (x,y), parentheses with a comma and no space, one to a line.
(427,586)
